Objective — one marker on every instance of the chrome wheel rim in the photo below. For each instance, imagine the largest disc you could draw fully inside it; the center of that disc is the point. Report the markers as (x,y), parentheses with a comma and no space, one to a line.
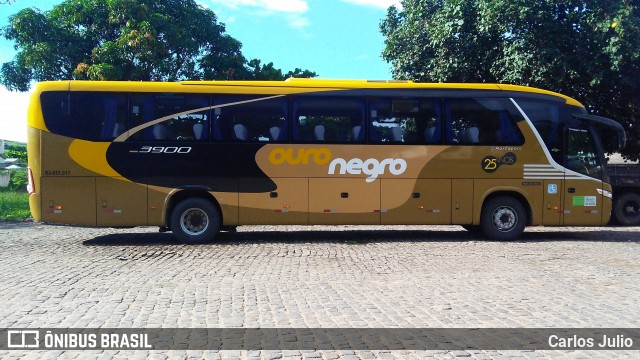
(194,221)
(505,218)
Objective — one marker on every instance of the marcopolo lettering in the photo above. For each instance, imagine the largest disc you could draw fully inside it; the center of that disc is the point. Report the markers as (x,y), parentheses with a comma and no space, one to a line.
(371,167)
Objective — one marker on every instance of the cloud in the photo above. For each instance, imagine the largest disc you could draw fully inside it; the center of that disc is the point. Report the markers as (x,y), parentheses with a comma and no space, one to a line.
(382,4)
(293,9)
(14,117)
(279,6)
(298,22)
(290,6)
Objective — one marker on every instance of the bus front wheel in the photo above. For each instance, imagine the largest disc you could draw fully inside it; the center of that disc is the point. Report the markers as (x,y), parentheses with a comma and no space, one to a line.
(195,221)
(503,218)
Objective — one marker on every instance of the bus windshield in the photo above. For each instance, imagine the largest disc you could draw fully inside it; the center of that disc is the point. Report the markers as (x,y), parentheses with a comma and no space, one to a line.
(569,134)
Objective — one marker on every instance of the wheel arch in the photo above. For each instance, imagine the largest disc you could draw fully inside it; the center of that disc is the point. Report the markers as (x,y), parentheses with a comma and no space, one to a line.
(181,194)
(511,193)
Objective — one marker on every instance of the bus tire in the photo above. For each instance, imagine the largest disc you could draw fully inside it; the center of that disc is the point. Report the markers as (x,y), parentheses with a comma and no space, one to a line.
(503,218)
(195,221)
(626,209)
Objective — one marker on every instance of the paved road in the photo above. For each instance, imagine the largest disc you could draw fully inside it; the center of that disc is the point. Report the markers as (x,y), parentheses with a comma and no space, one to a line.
(318,277)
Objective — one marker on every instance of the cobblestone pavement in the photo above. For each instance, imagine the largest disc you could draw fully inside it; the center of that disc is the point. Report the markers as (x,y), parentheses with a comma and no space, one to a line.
(318,276)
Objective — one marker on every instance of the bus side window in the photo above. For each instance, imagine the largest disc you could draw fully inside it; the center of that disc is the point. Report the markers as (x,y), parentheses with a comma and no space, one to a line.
(92,116)
(114,115)
(582,153)
(462,124)
(328,119)
(429,124)
(480,121)
(550,120)
(187,117)
(250,120)
(404,120)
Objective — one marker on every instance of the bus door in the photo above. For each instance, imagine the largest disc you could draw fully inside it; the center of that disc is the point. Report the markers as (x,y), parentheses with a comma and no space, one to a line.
(582,202)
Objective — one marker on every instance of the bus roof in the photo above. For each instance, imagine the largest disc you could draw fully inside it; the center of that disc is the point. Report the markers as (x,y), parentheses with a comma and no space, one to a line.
(289,86)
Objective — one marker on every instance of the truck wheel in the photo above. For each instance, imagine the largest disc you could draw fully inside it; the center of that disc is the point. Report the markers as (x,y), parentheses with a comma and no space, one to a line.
(626,209)
(503,218)
(195,221)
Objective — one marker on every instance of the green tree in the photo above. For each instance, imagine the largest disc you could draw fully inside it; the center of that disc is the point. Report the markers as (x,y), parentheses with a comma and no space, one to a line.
(157,40)
(587,49)
(18,181)
(16,154)
(259,71)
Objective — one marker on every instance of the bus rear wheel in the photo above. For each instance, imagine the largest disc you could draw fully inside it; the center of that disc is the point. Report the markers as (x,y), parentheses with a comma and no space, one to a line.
(195,221)
(503,218)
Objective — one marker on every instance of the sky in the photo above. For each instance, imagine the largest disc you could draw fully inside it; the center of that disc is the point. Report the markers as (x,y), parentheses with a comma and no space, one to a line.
(338,39)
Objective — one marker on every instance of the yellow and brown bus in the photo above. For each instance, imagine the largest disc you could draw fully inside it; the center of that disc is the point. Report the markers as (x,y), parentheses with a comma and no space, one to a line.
(197,157)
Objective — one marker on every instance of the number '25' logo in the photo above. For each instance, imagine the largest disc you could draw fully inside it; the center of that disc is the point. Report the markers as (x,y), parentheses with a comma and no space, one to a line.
(491,163)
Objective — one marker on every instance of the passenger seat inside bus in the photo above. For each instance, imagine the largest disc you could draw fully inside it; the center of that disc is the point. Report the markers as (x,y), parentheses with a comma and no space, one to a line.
(241,132)
(396,133)
(318,131)
(471,135)
(118,129)
(275,133)
(429,135)
(356,133)
(198,128)
(160,132)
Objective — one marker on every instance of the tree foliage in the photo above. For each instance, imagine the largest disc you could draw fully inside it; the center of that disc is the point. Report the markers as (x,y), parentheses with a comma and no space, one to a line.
(21,155)
(156,40)
(587,49)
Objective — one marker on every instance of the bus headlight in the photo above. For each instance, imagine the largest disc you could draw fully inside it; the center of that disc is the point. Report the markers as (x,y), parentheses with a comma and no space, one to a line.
(605,193)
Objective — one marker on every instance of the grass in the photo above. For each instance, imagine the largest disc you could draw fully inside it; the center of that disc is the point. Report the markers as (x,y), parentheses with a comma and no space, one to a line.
(14,206)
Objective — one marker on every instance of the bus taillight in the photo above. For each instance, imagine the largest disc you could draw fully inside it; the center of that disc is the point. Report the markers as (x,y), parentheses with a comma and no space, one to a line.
(31,187)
